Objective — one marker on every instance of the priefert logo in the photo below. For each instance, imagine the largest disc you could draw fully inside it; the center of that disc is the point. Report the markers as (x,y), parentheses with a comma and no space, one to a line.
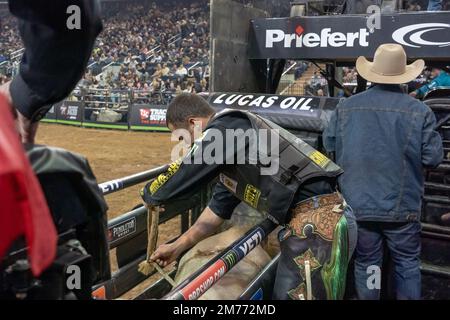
(326,38)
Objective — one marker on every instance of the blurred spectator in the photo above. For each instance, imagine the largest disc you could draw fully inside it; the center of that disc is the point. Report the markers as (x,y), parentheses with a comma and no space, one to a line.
(440,78)
(434,5)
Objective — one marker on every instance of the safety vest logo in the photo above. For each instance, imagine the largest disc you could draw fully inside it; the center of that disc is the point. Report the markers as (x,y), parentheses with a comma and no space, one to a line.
(251,195)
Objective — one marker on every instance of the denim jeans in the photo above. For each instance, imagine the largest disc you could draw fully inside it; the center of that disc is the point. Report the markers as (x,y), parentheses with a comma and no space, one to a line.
(352,230)
(403,242)
(434,5)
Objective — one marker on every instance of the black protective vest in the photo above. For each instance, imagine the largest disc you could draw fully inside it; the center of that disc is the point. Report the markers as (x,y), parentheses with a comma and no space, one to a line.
(298,162)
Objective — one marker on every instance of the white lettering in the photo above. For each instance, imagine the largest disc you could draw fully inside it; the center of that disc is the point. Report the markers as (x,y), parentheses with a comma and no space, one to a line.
(326,38)
(273,36)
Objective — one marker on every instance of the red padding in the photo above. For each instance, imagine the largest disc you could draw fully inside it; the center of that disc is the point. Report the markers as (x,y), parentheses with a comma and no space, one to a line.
(23,209)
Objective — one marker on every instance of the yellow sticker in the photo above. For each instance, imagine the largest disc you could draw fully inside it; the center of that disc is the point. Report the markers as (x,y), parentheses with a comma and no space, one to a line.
(319,159)
(162,178)
(251,195)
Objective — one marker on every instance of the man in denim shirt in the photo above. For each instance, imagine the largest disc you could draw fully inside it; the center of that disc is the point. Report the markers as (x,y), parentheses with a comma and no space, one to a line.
(382,138)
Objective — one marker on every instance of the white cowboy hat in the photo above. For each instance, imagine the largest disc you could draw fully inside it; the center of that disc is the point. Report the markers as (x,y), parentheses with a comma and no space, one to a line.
(389,66)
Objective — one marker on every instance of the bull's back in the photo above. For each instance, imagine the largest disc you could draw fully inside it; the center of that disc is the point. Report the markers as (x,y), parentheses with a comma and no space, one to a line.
(234,282)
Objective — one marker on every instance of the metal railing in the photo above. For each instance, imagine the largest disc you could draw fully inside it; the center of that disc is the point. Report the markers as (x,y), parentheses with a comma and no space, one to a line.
(127,277)
(132,246)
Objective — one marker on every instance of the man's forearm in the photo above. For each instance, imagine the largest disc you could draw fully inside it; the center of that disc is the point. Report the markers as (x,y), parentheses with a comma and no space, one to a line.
(206,225)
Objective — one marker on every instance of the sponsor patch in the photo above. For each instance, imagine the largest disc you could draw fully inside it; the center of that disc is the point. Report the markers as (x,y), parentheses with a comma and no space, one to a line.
(164,177)
(229,183)
(251,195)
(320,159)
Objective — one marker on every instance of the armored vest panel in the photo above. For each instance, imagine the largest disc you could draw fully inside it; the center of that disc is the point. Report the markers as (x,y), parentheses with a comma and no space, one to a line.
(270,178)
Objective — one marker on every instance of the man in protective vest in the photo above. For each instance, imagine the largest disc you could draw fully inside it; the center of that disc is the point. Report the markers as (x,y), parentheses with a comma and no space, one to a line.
(285,178)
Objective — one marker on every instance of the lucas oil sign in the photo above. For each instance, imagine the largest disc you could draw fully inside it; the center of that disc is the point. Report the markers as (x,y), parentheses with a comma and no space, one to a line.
(423,35)
(259,103)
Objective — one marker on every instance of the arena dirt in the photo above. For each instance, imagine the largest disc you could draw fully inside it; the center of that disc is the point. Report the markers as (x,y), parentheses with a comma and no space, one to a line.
(114,154)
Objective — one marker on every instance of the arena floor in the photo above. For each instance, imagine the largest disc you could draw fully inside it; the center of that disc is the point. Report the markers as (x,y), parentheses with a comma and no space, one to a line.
(114,154)
(111,154)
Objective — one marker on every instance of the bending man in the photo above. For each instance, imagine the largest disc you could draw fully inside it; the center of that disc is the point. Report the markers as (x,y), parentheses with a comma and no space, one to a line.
(288,180)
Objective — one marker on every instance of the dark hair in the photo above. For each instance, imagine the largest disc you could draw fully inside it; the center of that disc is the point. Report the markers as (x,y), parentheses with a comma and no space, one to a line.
(187,105)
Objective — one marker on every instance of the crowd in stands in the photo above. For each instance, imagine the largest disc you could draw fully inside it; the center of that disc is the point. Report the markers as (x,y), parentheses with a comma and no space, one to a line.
(153,50)
(10,42)
(317,85)
(300,68)
(9,36)
(149,48)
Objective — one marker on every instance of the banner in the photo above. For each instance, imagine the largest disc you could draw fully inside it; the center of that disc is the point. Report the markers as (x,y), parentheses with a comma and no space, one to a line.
(290,112)
(345,37)
(148,117)
(70,112)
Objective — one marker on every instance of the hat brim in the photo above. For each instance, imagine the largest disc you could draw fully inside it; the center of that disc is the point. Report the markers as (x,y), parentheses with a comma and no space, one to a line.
(412,71)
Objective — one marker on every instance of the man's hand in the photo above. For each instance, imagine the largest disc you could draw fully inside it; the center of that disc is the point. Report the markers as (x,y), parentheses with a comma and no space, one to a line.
(206,225)
(413,94)
(26,129)
(165,254)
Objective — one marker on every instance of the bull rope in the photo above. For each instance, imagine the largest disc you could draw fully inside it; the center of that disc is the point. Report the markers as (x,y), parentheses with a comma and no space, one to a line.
(147,266)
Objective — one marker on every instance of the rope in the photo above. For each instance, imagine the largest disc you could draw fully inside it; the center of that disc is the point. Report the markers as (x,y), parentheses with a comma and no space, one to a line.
(147,266)
(165,275)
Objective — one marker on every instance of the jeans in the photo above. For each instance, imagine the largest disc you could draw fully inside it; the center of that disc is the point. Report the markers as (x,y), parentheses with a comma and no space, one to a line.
(434,5)
(403,242)
(352,230)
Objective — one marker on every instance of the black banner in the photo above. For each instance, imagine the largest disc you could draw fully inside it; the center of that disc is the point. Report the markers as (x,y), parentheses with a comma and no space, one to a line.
(289,112)
(148,117)
(345,37)
(70,112)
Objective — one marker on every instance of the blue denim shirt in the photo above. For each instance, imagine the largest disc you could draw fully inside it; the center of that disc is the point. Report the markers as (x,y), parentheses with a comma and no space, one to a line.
(382,138)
